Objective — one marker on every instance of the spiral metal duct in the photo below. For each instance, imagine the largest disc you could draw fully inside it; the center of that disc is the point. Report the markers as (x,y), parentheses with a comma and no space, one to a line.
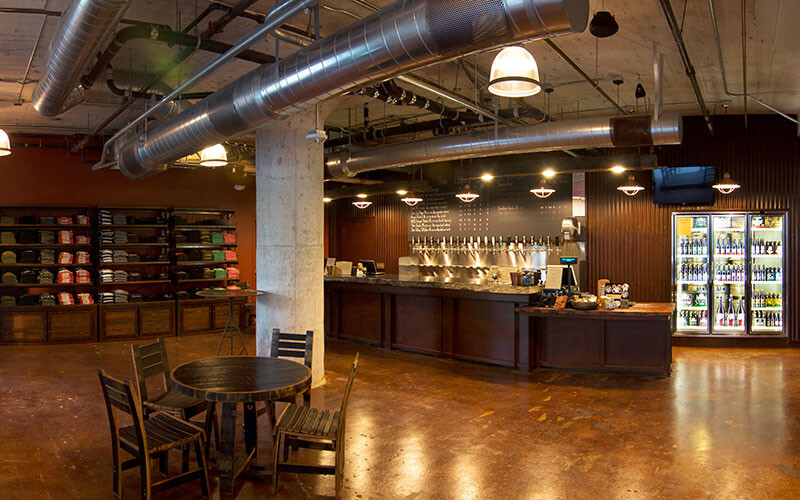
(403,36)
(82,28)
(621,131)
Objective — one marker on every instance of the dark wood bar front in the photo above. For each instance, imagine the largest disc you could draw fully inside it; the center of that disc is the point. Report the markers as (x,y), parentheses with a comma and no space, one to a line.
(636,339)
(469,321)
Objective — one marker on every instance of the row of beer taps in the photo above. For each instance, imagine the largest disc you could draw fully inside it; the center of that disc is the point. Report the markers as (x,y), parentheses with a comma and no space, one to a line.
(482,244)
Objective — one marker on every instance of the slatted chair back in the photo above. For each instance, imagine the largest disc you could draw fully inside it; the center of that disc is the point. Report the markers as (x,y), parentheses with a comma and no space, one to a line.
(119,396)
(150,360)
(345,398)
(292,345)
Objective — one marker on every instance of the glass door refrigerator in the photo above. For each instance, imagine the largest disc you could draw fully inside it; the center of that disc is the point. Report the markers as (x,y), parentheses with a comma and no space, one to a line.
(691,262)
(729,273)
(767,271)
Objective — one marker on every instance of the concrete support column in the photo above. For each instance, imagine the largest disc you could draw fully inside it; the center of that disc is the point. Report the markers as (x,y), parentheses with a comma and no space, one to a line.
(289,253)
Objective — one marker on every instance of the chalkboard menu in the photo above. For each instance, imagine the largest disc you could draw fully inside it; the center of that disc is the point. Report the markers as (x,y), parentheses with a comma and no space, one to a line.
(506,207)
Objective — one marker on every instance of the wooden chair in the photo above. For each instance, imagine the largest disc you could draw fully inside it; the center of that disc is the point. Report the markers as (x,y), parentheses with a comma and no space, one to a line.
(290,345)
(151,360)
(312,428)
(148,439)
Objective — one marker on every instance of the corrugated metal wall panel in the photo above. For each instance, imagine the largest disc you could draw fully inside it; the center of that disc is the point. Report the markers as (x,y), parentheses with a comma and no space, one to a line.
(629,237)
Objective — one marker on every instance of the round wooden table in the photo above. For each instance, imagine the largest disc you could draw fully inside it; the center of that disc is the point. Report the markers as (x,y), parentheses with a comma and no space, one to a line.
(231,380)
(231,322)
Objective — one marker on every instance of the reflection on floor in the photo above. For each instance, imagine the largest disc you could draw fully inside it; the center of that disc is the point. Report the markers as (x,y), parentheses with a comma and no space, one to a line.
(725,425)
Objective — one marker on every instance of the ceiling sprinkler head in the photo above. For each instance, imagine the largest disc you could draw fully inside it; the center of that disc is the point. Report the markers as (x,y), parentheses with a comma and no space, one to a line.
(630,109)
(725,104)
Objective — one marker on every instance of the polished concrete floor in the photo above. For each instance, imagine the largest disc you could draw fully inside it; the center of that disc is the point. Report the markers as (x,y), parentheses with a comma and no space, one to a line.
(726,425)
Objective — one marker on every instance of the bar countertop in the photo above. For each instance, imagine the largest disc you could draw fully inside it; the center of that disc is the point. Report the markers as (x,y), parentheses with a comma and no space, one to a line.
(474,285)
(638,311)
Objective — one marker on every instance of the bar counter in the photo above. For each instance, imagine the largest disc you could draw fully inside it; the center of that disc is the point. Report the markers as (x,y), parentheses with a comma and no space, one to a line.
(471,320)
(637,339)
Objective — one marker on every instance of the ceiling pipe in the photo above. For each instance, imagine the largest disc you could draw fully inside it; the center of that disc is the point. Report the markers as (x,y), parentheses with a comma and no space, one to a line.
(403,36)
(724,76)
(604,132)
(413,186)
(687,63)
(81,29)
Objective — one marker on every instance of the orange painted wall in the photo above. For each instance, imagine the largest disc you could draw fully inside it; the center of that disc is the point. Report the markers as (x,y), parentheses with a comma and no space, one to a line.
(35,177)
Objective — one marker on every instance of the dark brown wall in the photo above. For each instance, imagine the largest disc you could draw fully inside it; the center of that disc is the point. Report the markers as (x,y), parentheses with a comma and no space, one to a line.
(629,236)
(32,176)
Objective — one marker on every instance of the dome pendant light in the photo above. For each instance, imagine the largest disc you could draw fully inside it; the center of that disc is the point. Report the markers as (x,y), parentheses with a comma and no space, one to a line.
(214,156)
(5,143)
(543,191)
(467,196)
(726,185)
(603,24)
(631,188)
(514,74)
(411,200)
(362,204)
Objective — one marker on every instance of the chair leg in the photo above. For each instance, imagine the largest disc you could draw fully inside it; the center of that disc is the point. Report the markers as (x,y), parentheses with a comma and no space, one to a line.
(117,473)
(199,447)
(276,447)
(163,464)
(339,468)
(185,458)
(144,470)
(211,428)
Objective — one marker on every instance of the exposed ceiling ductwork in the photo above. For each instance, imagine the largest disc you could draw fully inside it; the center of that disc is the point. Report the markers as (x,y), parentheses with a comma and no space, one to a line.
(84,26)
(621,131)
(403,36)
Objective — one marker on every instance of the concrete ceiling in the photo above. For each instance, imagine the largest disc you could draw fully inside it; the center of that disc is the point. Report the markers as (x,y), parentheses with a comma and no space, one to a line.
(773,47)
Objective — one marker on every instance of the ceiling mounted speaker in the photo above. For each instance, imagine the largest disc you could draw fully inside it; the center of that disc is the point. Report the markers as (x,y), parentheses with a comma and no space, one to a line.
(603,24)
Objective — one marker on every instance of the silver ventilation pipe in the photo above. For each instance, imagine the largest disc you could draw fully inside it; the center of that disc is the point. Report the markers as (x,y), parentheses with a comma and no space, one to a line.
(82,28)
(618,131)
(403,36)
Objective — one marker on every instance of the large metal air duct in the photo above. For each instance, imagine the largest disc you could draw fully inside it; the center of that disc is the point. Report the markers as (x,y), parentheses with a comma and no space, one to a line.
(620,131)
(82,28)
(403,36)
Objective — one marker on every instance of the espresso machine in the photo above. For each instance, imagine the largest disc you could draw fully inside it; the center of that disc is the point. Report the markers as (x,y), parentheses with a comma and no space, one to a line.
(571,254)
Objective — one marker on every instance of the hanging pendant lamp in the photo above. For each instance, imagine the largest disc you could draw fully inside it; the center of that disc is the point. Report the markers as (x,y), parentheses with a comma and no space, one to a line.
(726,185)
(467,196)
(631,188)
(362,204)
(5,143)
(214,156)
(543,191)
(411,200)
(514,73)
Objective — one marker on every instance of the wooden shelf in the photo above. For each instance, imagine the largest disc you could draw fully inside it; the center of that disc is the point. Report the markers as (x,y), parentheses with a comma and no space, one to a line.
(198,280)
(46,285)
(45,226)
(190,263)
(128,264)
(47,245)
(202,227)
(132,245)
(102,227)
(123,283)
(43,266)
(204,245)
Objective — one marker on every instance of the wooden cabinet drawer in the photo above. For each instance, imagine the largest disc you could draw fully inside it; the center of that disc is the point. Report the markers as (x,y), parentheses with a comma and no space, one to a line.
(23,326)
(72,324)
(157,320)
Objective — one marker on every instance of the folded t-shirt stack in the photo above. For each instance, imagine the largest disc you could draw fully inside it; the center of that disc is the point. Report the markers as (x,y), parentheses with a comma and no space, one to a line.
(208,255)
(119,219)
(82,219)
(65,237)
(7,219)
(28,277)
(196,273)
(233,273)
(82,239)
(47,237)
(181,239)
(106,256)
(133,238)
(104,217)
(231,255)
(47,220)
(82,258)
(8,238)
(181,275)
(10,279)
(27,237)
(82,276)
(205,237)
(217,238)
(65,276)
(135,297)
(120,275)
(134,276)
(45,277)
(105,276)
(218,255)
(220,273)
(28,257)
(120,256)
(105,298)
(181,257)
(47,256)
(8,257)
(195,254)
(105,237)
(120,236)
(134,257)
(27,299)
(65,220)
(8,301)
(229,238)
(47,299)
(120,296)
(66,299)
(85,299)
(208,273)
(65,258)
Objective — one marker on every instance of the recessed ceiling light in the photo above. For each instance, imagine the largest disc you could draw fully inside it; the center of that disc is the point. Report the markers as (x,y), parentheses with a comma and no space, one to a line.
(549,173)
(402,192)
(487,177)
(617,169)
(326,200)
(361,195)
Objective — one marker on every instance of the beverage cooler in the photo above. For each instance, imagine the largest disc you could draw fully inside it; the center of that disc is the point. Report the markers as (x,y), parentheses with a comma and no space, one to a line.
(728,270)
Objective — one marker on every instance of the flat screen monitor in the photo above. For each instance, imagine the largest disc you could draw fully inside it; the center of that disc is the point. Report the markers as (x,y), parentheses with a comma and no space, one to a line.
(559,276)
(370,267)
(684,185)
